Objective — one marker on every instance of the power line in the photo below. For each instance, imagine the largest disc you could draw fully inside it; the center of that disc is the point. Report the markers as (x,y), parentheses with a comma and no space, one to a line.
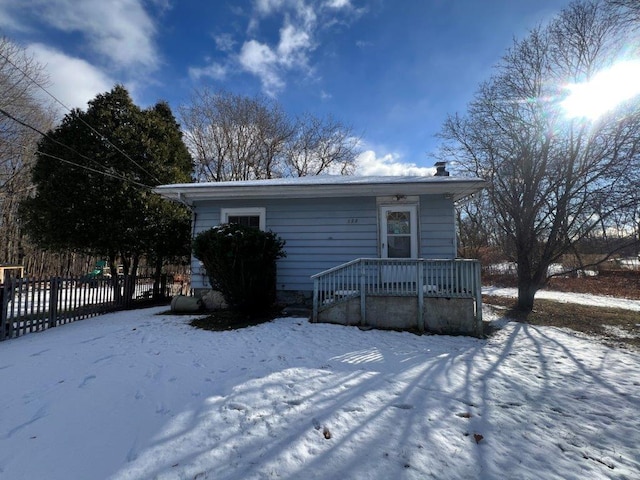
(113,175)
(35,82)
(37,130)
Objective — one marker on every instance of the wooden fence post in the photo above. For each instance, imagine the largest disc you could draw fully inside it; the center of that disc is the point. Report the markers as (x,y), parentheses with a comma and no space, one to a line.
(53,301)
(129,290)
(4,307)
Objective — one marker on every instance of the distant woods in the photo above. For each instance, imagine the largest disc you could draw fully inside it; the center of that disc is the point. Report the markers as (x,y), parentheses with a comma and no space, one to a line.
(235,137)
(22,114)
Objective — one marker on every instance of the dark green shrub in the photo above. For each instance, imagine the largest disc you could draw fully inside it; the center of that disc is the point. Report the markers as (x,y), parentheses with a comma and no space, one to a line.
(241,264)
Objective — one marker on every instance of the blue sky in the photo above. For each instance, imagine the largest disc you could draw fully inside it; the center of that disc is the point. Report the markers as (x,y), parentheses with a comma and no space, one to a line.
(392,70)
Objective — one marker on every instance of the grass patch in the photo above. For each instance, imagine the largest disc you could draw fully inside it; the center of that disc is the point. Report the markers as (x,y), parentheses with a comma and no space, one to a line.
(616,327)
(224,320)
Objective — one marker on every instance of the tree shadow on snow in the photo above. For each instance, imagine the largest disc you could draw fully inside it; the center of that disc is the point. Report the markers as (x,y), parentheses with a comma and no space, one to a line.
(403,406)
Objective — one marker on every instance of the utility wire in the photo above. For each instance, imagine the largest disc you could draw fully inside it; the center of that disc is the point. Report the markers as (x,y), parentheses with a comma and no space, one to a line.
(35,129)
(101,172)
(79,118)
(113,175)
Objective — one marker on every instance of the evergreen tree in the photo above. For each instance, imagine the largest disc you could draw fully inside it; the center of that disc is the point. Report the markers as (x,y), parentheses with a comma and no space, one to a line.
(93,178)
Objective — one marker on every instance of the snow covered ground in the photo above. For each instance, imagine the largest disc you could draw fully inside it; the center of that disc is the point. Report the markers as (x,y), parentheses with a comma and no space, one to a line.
(568,297)
(136,395)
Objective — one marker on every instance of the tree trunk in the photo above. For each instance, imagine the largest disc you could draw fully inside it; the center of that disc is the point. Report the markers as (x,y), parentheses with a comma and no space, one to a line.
(130,277)
(115,281)
(157,276)
(526,293)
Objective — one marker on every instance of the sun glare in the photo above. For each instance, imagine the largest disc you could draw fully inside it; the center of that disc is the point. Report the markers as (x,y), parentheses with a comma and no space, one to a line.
(604,92)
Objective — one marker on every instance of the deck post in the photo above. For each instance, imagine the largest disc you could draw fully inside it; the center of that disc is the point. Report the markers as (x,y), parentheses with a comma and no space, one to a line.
(420,284)
(363,293)
(478,290)
(314,315)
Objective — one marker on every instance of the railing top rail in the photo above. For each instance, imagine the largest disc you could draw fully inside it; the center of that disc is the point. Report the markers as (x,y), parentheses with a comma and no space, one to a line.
(335,269)
(392,260)
(452,260)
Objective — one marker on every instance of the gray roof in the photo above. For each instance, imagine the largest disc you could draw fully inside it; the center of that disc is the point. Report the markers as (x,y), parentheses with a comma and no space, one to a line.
(323,186)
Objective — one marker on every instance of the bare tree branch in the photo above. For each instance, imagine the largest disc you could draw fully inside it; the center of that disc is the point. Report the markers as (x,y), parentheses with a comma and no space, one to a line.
(554,181)
(233,137)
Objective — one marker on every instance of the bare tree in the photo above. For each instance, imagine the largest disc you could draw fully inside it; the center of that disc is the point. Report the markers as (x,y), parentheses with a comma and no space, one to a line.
(477,230)
(554,180)
(234,137)
(20,104)
(625,10)
(321,146)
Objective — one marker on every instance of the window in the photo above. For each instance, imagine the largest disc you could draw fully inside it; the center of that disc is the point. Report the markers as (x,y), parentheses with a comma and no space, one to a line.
(249,217)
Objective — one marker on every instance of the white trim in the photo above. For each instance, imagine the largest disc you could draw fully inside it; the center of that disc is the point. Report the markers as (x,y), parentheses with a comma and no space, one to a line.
(321,187)
(244,212)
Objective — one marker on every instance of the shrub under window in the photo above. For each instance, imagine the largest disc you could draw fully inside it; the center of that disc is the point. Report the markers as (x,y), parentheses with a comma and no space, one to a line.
(241,264)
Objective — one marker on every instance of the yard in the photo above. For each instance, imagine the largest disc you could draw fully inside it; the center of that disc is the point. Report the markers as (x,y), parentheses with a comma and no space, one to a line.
(143,395)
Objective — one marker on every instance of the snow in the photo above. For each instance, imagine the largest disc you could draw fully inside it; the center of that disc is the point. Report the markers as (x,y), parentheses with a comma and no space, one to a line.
(511,268)
(569,297)
(324,180)
(138,395)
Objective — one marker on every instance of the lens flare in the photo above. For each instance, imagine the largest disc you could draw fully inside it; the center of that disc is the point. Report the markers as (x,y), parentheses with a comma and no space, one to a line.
(604,92)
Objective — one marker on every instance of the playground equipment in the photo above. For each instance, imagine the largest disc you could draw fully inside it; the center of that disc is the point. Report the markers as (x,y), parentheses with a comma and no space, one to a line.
(101,270)
(10,271)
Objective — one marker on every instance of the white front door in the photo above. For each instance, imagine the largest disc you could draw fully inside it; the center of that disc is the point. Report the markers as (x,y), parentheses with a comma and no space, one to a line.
(399,231)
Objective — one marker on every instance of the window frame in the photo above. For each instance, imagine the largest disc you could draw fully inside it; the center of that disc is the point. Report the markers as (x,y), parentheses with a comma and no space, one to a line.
(260,212)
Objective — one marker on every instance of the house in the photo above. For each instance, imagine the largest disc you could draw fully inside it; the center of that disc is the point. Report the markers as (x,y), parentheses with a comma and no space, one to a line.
(379,251)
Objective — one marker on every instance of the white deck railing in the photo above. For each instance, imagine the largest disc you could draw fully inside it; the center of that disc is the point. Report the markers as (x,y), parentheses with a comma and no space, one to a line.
(420,277)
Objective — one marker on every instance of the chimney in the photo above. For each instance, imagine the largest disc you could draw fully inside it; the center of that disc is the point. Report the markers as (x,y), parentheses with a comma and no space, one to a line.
(441,169)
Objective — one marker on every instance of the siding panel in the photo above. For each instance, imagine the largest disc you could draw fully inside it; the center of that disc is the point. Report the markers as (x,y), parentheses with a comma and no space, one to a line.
(323,233)
(437,227)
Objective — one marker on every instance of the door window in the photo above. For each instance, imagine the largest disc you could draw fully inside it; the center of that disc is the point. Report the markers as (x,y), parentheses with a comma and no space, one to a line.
(399,232)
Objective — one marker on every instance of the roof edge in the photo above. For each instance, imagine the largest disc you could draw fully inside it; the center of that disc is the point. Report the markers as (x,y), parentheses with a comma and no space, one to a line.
(347,186)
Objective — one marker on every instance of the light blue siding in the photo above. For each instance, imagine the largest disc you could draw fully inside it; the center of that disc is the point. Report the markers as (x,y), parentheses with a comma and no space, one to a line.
(324,233)
(437,227)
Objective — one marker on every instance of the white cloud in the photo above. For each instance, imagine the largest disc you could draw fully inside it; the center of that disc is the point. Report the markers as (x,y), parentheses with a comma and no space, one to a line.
(338,4)
(270,59)
(118,30)
(363,44)
(73,81)
(270,64)
(298,9)
(258,58)
(267,7)
(224,42)
(9,21)
(213,70)
(293,45)
(368,163)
